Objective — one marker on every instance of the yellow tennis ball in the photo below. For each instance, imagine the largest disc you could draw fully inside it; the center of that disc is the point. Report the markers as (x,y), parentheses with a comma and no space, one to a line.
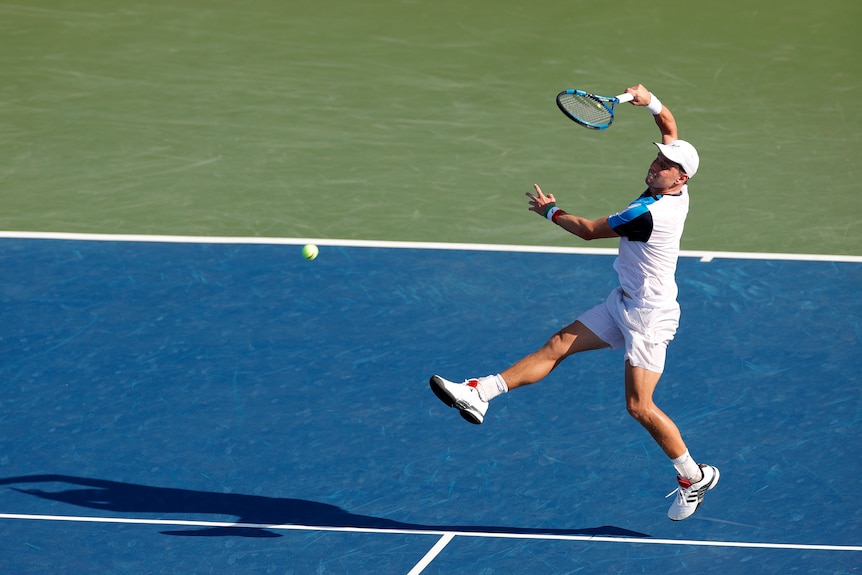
(310,251)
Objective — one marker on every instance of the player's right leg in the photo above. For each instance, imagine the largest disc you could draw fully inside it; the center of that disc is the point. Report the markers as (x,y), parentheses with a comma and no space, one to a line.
(694,480)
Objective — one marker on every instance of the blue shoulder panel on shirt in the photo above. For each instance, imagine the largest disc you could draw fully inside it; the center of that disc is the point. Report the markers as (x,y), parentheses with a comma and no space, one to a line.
(634,222)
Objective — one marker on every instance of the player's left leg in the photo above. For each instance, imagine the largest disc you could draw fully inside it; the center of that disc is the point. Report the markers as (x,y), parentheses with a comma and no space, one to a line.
(471,397)
(574,338)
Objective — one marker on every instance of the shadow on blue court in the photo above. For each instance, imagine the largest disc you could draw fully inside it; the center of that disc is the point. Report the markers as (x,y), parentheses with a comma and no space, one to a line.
(219,383)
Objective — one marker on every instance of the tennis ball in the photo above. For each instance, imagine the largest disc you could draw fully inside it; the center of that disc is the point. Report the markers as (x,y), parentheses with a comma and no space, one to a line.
(310,251)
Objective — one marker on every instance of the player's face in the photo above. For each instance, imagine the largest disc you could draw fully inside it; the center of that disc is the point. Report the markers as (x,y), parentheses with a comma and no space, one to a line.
(663,174)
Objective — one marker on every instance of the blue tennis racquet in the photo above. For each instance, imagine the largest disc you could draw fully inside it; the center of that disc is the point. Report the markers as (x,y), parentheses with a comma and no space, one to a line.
(589,110)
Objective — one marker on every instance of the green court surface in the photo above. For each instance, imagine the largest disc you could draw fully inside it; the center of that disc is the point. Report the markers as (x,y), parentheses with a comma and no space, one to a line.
(425,120)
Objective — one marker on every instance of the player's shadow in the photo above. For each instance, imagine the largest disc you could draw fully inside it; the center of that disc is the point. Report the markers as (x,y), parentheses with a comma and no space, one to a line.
(253,512)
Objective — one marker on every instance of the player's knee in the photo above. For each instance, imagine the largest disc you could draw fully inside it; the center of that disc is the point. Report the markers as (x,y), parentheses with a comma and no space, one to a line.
(640,410)
(560,345)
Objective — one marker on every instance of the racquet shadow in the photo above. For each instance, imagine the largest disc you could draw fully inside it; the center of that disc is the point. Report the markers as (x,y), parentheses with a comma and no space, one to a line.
(251,511)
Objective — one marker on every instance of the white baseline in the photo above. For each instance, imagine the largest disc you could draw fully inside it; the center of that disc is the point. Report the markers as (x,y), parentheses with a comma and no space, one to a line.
(439,533)
(705,256)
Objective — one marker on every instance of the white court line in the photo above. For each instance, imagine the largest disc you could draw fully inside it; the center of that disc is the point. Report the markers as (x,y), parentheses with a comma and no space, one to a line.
(705,256)
(432,553)
(487,535)
(445,536)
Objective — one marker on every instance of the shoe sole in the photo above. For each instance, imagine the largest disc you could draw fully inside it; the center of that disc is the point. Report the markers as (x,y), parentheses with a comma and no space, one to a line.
(710,488)
(436,384)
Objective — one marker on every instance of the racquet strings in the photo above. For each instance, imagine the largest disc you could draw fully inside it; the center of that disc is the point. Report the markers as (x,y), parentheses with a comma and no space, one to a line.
(585,109)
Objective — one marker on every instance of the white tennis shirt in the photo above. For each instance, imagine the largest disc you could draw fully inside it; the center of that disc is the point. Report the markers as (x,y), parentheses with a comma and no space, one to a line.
(650,229)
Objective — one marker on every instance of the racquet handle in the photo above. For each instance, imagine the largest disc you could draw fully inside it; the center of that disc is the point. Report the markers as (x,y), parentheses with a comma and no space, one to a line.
(625,98)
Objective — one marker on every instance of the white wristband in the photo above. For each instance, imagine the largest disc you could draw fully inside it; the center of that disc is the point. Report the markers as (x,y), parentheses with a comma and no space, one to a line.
(551,212)
(654,105)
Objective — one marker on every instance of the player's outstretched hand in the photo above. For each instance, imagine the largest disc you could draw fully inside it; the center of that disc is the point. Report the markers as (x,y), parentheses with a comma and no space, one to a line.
(540,203)
(641,95)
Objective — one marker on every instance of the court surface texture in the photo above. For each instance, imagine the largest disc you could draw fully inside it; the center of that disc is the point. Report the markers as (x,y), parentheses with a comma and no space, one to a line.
(174,406)
(181,392)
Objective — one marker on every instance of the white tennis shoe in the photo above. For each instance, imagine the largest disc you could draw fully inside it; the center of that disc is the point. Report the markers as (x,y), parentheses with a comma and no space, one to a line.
(689,495)
(462,396)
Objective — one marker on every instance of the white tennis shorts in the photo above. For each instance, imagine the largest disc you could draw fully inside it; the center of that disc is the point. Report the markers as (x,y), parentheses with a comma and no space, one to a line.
(645,332)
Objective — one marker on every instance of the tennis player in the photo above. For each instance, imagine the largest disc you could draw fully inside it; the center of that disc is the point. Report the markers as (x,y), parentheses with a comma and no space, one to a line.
(641,315)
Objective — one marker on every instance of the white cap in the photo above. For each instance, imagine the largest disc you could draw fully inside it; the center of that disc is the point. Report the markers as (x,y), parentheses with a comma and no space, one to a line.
(682,153)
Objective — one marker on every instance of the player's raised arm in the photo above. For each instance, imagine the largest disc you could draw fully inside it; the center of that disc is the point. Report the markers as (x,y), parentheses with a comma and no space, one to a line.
(663,117)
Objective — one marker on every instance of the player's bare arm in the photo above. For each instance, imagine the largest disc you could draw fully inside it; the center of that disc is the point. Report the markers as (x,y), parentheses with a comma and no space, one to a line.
(582,227)
(664,120)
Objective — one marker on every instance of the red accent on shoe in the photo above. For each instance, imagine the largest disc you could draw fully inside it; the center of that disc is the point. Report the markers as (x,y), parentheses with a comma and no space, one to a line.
(683,482)
(473,383)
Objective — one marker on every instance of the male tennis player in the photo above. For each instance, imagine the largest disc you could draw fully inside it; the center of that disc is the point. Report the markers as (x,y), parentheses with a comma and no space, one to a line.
(642,314)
